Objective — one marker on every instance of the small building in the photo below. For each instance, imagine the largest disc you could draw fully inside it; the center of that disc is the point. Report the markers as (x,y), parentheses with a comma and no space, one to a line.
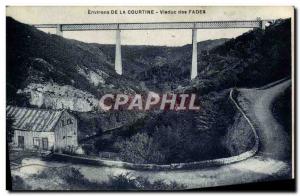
(43,129)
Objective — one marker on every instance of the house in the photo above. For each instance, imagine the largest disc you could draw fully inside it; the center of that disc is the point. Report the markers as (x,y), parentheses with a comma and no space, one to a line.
(43,129)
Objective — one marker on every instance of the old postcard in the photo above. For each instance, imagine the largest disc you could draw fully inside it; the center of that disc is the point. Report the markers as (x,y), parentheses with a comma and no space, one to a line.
(149,98)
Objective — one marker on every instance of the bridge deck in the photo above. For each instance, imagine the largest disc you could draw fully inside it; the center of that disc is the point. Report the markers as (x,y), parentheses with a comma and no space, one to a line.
(153,26)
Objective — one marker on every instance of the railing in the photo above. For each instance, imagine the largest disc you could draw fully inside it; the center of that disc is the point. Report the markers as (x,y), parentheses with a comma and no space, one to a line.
(157,25)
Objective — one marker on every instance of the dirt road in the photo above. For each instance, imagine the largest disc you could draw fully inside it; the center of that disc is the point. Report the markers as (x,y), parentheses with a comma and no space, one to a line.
(273,138)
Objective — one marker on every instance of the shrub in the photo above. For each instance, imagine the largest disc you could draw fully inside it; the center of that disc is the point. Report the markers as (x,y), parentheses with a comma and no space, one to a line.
(140,148)
(128,182)
(19,184)
(72,179)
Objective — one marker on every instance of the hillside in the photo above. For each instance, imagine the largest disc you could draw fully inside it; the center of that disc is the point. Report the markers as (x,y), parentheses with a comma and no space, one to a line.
(36,59)
(253,59)
(41,67)
(47,70)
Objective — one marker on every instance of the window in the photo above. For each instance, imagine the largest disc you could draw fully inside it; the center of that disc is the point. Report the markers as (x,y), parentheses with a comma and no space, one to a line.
(69,121)
(66,122)
(36,142)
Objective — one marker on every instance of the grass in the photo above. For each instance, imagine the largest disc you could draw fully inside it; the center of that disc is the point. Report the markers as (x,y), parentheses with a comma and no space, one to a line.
(16,156)
(72,179)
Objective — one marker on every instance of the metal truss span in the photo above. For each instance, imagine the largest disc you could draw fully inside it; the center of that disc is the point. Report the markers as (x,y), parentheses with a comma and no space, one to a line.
(153,26)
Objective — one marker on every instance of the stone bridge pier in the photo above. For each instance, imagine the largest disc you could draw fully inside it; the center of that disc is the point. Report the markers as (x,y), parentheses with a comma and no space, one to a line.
(59,30)
(194,69)
(118,56)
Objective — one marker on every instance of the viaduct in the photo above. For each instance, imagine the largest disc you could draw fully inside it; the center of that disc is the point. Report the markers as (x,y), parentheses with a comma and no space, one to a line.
(118,27)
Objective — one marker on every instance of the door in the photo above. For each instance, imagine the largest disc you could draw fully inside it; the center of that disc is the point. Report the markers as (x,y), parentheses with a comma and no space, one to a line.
(45,143)
(21,141)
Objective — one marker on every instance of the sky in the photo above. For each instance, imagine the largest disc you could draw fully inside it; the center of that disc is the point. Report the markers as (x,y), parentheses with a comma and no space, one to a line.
(55,15)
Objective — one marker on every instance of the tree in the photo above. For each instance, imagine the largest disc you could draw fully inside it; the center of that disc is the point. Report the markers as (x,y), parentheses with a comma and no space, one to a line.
(140,148)
(9,129)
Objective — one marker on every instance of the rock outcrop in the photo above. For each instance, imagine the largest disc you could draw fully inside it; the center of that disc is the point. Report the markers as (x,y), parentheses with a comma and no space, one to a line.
(55,96)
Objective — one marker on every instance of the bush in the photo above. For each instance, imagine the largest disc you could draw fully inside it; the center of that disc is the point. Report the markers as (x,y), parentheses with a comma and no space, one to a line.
(239,137)
(72,179)
(180,137)
(68,178)
(19,184)
(129,182)
(140,148)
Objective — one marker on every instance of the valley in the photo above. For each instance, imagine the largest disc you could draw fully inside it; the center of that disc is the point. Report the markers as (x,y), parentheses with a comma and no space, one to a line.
(51,72)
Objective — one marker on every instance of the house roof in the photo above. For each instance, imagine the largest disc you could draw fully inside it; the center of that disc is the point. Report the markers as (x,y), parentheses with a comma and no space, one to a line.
(32,119)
